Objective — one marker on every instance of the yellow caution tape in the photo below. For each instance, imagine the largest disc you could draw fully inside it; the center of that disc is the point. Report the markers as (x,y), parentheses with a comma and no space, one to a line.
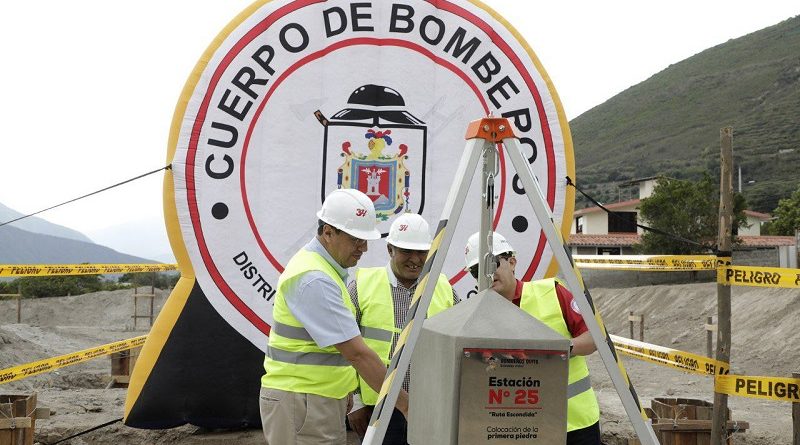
(29,270)
(651,263)
(770,388)
(685,361)
(759,276)
(726,273)
(51,364)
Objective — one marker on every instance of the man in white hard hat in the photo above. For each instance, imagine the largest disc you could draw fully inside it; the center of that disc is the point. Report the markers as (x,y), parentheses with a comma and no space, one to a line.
(381,296)
(315,345)
(552,304)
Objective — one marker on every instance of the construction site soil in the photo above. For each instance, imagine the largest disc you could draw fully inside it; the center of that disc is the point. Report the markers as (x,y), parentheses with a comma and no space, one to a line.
(765,342)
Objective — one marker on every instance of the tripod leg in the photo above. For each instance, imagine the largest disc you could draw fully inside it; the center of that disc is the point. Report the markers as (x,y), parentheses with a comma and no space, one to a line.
(395,374)
(608,354)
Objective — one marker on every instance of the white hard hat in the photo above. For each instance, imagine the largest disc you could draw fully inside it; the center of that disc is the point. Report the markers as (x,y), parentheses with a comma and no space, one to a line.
(500,245)
(410,231)
(352,212)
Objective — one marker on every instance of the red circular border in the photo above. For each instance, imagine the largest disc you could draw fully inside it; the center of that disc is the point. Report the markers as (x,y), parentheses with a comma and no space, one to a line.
(262,26)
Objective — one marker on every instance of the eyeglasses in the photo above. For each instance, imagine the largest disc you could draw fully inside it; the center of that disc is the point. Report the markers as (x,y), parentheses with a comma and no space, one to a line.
(353,240)
(474,269)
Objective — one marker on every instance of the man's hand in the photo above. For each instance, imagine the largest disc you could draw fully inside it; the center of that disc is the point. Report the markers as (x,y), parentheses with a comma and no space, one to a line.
(402,403)
(359,420)
(370,367)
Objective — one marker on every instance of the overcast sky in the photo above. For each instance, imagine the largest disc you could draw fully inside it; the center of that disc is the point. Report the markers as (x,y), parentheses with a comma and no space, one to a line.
(88,87)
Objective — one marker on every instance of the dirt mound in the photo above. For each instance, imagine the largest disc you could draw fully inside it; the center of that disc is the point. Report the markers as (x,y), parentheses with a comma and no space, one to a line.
(107,308)
(766,341)
(764,323)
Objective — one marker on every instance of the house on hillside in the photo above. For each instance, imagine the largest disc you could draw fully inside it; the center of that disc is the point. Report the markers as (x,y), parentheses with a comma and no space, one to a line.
(595,232)
(754,222)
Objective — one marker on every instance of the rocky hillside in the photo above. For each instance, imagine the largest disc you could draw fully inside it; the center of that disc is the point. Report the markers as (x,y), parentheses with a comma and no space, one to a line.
(19,246)
(39,225)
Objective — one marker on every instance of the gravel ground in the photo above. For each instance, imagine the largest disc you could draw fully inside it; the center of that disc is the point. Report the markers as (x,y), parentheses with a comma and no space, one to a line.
(766,341)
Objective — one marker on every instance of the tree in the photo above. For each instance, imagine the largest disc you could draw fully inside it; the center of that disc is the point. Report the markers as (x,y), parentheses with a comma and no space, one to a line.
(787,215)
(58,286)
(688,210)
(8,287)
(157,279)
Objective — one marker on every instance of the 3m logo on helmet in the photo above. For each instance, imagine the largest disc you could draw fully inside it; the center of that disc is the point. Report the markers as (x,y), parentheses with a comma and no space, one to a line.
(403,227)
(361,212)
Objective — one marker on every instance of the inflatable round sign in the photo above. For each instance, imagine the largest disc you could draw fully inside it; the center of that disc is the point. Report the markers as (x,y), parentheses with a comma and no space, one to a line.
(295,99)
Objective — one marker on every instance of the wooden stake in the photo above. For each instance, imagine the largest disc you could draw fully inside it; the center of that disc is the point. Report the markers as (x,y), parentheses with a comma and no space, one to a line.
(19,303)
(718,431)
(135,304)
(710,326)
(633,319)
(153,297)
(641,327)
(630,323)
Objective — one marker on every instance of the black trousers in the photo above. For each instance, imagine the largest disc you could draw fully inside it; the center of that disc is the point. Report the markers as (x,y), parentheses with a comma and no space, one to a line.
(397,430)
(584,436)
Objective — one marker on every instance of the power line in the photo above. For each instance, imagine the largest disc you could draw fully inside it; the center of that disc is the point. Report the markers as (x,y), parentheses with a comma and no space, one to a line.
(167,167)
(651,229)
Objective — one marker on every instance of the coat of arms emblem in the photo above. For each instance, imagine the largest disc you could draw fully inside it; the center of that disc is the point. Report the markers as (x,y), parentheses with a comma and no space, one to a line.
(378,147)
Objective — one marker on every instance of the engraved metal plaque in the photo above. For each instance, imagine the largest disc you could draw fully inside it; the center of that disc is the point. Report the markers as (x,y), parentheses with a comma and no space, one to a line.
(512,396)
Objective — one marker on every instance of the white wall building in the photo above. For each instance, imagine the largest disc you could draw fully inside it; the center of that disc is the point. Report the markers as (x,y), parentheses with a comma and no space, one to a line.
(595,232)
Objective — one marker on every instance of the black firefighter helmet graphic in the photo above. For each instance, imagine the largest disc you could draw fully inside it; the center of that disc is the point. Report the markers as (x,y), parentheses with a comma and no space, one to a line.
(377,146)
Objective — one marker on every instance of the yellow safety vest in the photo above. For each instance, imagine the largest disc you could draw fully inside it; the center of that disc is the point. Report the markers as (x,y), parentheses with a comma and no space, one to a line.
(293,361)
(540,300)
(377,315)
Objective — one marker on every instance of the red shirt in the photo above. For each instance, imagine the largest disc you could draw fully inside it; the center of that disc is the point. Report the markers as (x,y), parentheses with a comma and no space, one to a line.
(569,309)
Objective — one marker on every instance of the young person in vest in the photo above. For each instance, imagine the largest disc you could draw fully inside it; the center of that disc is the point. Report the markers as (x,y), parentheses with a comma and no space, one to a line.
(315,345)
(381,296)
(552,304)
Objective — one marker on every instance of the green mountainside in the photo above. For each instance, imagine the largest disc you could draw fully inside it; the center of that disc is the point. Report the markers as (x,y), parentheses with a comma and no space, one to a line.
(670,124)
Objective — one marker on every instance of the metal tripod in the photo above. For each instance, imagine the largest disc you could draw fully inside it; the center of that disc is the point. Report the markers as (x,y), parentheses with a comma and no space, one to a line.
(483,138)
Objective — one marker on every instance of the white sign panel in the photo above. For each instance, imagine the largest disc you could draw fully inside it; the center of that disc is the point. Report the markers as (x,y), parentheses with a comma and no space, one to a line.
(297,98)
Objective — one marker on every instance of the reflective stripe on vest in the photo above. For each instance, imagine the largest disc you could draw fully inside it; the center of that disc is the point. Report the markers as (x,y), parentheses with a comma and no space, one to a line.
(307,358)
(377,315)
(376,334)
(540,300)
(294,362)
(284,330)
